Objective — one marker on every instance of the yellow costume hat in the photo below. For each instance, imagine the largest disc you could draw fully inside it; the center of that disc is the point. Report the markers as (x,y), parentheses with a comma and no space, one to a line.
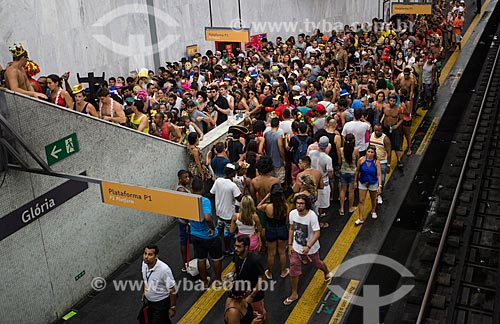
(18,50)
(78,88)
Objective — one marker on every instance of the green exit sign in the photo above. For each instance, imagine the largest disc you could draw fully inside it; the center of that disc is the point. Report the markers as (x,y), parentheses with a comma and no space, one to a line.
(61,149)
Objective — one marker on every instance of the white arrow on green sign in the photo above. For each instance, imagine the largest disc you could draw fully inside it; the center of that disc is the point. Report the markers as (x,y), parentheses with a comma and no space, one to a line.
(61,149)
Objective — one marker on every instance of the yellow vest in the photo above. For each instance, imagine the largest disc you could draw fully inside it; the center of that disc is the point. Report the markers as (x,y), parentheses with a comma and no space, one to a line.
(135,123)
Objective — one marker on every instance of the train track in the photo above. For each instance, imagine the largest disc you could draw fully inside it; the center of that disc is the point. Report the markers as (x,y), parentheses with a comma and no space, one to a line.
(457,255)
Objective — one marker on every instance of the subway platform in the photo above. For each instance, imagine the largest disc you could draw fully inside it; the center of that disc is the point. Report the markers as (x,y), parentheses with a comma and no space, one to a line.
(340,242)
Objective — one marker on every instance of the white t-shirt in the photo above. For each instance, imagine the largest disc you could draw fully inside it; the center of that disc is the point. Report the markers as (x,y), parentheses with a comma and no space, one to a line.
(225,192)
(323,163)
(286,126)
(303,230)
(157,281)
(358,129)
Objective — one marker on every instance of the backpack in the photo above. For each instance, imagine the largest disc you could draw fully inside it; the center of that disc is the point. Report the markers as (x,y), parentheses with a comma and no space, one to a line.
(301,150)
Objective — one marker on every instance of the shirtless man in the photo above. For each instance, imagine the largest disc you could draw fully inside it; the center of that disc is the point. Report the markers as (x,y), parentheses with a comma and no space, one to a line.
(261,185)
(113,114)
(407,81)
(391,122)
(305,167)
(15,76)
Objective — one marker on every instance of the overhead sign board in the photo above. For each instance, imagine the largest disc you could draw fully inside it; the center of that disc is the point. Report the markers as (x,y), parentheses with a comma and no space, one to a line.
(61,149)
(227,34)
(159,201)
(40,206)
(191,50)
(411,8)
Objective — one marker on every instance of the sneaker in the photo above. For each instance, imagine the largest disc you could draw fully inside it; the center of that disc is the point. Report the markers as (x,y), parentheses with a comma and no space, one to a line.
(380,201)
(358,222)
(374,215)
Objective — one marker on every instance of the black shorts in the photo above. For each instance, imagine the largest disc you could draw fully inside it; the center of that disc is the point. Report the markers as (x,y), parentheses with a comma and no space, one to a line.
(275,233)
(205,248)
(407,123)
(393,137)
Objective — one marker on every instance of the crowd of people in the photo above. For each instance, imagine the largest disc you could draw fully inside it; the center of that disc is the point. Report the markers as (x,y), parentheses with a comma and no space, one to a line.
(321,115)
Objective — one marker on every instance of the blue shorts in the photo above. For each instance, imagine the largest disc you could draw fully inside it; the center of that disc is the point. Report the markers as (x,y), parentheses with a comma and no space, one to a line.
(346,179)
(183,235)
(275,233)
(427,90)
(224,226)
(368,186)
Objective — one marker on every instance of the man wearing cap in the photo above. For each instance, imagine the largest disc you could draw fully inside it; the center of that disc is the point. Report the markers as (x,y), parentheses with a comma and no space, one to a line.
(322,162)
(15,76)
(306,72)
(198,117)
(319,120)
(226,193)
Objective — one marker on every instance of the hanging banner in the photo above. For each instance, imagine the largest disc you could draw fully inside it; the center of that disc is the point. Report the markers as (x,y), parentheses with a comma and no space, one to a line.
(255,41)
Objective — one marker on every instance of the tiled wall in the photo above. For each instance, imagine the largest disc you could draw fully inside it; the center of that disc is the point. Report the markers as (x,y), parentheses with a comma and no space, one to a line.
(39,262)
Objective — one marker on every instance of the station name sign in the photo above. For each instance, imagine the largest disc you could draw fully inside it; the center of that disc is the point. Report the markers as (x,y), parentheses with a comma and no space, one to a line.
(40,206)
(411,9)
(227,34)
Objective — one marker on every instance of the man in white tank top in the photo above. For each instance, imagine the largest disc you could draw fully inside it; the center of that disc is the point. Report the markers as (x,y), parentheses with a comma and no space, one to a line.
(383,151)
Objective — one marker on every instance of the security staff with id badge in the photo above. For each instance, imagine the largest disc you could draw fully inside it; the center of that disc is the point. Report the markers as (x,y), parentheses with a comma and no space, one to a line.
(159,287)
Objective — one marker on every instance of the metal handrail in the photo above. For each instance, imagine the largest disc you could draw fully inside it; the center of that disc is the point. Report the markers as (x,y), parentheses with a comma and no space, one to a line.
(435,266)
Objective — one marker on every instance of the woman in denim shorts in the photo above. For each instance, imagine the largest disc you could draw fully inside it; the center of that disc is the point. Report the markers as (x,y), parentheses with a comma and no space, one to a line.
(368,177)
(276,210)
(347,170)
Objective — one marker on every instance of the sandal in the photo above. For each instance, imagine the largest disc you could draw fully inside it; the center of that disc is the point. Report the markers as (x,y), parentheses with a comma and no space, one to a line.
(268,274)
(328,278)
(341,212)
(324,225)
(286,273)
(353,209)
(288,301)
(358,222)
